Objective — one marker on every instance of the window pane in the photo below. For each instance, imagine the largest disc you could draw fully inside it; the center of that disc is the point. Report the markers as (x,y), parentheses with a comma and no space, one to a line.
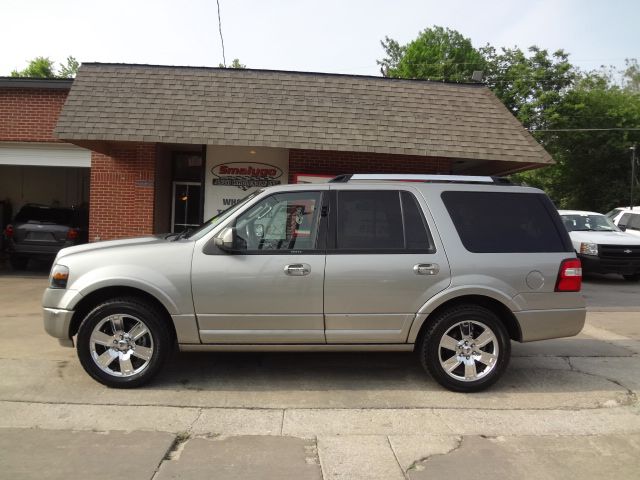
(415,228)
(492,222)
(285,221)
(369,220)
(624,219)
(634,222)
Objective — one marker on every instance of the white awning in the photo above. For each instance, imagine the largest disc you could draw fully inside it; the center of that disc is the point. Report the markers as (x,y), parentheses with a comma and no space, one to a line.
(44,155)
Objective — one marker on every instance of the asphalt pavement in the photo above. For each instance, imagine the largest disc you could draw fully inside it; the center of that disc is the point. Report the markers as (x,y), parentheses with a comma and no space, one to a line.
(565,408)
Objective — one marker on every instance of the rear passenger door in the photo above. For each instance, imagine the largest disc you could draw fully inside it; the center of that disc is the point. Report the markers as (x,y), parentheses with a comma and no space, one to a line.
(384,261)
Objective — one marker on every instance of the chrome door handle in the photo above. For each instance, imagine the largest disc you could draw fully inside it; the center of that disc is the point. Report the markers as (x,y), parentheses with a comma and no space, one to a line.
(426,268)
(297,269)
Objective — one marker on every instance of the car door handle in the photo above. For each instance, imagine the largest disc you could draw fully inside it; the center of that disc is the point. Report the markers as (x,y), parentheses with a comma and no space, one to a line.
(426,268)
(297,269)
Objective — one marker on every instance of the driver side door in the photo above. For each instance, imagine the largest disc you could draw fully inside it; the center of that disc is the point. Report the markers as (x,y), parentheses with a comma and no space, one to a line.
(270,289)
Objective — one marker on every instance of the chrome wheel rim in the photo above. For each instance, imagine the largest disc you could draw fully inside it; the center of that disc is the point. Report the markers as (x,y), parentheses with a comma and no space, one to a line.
(121,345)
(468,351)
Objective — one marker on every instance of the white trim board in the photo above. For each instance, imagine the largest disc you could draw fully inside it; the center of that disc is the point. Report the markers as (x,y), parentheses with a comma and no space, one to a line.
(44,155)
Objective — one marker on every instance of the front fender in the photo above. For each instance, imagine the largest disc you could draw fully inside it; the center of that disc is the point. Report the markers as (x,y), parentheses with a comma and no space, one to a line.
(174,294)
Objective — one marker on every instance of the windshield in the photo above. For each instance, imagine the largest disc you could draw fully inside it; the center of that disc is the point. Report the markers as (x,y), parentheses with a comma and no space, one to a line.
(588,223)
(217,219)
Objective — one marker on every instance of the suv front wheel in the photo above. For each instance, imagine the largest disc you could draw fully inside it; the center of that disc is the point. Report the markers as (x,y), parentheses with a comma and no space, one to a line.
(466,348)
(123,342)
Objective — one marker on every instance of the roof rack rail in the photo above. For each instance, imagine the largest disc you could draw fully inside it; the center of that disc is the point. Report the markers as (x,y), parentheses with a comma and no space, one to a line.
(411,177)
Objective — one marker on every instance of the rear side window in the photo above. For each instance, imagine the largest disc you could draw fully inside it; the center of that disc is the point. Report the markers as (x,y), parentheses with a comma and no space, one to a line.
(624,219)
(634,222)
(380,220)
(496,222)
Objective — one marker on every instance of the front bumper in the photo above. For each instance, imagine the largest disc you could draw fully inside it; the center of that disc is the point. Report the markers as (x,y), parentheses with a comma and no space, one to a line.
(56,324)
(619,265)
(546,324)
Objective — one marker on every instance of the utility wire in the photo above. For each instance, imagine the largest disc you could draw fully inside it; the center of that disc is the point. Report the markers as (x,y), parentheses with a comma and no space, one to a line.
(224,60)
(584,129)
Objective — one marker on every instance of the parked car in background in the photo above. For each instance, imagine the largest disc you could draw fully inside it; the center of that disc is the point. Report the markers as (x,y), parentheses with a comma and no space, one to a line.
(601,245)
(629,221)
(40,232)
(615,214)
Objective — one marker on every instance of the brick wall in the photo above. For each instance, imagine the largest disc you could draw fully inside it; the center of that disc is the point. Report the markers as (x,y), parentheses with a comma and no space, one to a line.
(30,114)
(329,162)
(122,192)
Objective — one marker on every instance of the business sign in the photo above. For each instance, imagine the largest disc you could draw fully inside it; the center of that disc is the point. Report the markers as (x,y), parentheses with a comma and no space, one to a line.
(233,173)
(245,176)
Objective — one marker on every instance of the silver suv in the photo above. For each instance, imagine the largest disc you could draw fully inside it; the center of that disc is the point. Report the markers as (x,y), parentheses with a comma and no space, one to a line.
(451,267)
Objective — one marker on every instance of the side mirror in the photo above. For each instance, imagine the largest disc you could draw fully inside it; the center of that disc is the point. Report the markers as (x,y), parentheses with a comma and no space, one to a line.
(622,227)
(225,240)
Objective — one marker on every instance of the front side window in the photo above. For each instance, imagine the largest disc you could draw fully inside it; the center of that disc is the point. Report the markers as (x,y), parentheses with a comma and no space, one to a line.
(283,221)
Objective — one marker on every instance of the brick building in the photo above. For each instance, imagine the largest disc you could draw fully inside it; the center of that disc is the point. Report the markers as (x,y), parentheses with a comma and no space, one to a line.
(170,146)
(35,166)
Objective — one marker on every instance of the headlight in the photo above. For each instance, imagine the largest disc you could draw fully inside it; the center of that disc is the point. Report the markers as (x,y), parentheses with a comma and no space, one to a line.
(589,248)
(59,276)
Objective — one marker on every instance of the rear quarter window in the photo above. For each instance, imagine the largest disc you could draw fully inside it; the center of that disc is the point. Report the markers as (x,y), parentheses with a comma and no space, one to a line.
(497,222)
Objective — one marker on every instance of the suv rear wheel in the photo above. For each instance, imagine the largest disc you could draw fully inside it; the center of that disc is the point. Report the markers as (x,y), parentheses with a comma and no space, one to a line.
(466,348)
(123,342)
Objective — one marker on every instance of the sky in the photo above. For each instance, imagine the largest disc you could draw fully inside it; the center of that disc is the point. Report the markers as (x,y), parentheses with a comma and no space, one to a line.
(322,36)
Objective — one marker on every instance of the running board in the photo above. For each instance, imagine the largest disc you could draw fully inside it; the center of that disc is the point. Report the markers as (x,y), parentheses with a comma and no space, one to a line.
(364,347)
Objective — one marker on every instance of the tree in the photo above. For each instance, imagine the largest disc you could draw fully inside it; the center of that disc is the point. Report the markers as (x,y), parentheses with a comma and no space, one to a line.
(235,64)
(560,105)
(592,166)
(39,67)
(530,86)
(43,67)
(70,69)
(437,54)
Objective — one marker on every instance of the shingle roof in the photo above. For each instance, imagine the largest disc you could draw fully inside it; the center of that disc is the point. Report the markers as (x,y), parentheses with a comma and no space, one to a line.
(114,102)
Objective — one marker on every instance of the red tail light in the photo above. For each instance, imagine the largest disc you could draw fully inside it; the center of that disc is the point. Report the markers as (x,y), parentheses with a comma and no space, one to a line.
(72,234)
(569,276)
(8,232)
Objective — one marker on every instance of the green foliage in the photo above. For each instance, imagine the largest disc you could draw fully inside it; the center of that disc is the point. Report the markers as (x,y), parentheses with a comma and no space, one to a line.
(235,64)
(558,103)
(39,67)
(592,170)
(437,54)
(69,69)
(530,86)
(43,67)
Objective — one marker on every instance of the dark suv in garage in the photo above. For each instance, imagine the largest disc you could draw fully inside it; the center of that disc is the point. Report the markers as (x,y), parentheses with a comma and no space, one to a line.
(40,231)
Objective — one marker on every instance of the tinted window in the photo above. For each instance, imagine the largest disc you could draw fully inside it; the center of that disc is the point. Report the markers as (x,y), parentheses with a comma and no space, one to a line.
(634,222)
(41,214)
(284,221)
(369,220)
(415,228)
(492,222)
(624,219)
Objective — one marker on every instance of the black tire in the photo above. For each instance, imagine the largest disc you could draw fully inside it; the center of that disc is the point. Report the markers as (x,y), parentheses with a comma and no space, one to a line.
(18,263)
(632,278)
(131,310)
(431,352)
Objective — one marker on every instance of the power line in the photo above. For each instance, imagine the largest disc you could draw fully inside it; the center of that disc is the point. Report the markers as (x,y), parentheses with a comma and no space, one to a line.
(224,60)
(584,129)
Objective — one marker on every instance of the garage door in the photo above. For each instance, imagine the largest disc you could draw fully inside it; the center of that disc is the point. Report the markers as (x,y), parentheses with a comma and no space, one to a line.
(44,155)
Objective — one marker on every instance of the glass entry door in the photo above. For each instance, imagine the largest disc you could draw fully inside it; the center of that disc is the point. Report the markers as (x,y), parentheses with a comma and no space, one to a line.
(185,210)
